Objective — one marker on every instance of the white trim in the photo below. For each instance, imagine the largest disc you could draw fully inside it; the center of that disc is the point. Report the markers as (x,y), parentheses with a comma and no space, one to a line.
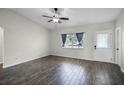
(2,44)
(120,46)
(6,66)
(82,58)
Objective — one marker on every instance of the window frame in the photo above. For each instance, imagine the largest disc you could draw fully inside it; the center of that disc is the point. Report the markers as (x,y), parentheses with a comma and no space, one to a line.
(78,47)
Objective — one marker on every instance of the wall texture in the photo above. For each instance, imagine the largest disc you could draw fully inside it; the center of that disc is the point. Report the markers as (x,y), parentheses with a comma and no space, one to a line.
(88,51)
(24,39)
(120,22)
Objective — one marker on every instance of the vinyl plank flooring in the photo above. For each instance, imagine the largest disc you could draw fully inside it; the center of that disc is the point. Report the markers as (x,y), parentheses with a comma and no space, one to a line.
(54,70)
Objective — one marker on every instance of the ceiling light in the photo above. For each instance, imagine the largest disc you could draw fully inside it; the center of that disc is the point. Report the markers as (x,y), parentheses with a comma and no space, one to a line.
(56,20)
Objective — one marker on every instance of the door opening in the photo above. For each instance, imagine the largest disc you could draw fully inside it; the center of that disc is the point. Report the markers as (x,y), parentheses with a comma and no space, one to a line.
(103,46)
(118,45)
(1,46)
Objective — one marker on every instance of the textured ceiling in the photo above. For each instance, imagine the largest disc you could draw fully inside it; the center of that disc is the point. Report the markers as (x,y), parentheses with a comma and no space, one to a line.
(77,16)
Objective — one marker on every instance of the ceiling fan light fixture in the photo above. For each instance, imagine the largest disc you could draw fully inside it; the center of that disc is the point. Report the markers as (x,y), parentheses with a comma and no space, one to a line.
(55,20)
(56,17)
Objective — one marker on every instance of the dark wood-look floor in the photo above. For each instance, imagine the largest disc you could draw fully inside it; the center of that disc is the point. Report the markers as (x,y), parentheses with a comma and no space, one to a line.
(53,70)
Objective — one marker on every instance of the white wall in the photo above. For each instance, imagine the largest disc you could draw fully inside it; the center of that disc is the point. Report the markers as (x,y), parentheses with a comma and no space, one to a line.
(87,51)
(120,22)
(24,39)
(1,45)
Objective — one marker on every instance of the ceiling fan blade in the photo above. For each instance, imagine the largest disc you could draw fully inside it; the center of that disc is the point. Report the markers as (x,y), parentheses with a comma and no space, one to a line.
(47,16)
(64,18)
(50,20)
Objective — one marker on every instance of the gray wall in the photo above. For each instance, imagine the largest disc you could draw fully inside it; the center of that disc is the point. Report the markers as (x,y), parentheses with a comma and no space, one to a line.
(88,51)
(24,39)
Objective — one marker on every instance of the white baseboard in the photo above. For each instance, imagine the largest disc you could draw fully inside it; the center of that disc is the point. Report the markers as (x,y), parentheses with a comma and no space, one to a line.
(89,59)
(6,66)
(72,57)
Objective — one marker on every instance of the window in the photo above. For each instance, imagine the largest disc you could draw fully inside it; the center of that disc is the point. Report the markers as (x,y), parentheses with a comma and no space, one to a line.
(102,40)
(72,40)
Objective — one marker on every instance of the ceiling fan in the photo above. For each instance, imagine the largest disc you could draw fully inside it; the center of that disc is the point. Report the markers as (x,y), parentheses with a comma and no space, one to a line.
(56,18)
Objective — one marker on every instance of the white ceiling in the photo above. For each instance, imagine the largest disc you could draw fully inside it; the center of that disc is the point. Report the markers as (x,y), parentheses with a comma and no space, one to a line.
(77,16)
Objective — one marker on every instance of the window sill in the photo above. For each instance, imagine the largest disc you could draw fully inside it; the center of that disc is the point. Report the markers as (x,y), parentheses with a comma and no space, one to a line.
(71,48)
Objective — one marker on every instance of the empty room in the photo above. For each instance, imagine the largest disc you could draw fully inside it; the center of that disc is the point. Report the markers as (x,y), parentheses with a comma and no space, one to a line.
(61,46)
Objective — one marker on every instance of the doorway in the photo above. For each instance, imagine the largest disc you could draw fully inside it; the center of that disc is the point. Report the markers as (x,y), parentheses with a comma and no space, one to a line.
(118,46)
(103,46)
(1,45)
